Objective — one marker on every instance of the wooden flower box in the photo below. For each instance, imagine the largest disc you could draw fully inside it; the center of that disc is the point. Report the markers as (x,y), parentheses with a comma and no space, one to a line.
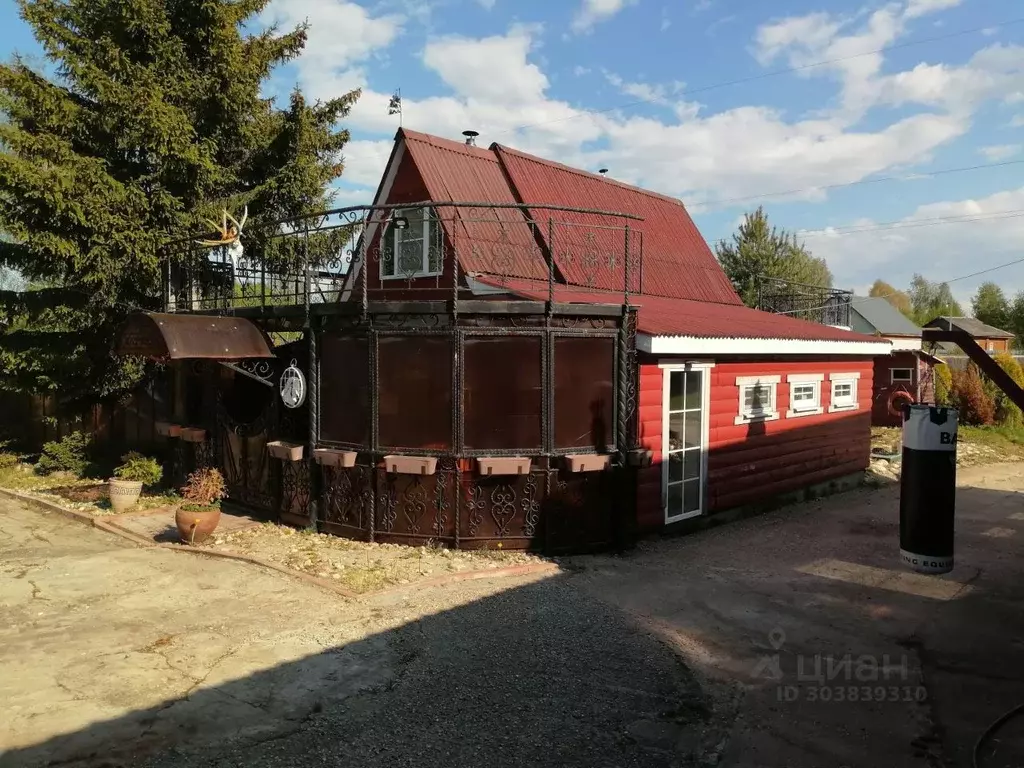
(410,465)
(166,429)
(282,449)
(193,435)
(588,462)
(503,466)
(328,457)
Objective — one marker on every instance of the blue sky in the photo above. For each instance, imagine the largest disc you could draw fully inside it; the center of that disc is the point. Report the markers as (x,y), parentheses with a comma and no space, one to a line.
(642,87)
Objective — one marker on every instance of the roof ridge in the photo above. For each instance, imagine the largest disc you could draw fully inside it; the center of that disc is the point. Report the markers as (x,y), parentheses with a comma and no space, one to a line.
(450,145)
(499,148)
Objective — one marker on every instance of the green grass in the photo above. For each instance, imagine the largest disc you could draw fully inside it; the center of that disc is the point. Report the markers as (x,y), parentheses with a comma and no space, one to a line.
(1008,438)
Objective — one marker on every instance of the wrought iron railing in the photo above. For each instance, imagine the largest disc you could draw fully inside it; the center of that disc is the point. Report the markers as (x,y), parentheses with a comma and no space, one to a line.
(827,306)
(429,250)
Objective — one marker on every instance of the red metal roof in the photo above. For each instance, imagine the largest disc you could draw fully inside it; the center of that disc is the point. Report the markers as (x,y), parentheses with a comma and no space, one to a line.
(684,290)
(676,260)
(666,316)
(487,240)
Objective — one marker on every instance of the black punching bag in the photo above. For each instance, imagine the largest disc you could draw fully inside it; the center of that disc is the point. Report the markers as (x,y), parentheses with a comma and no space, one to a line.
(927,488)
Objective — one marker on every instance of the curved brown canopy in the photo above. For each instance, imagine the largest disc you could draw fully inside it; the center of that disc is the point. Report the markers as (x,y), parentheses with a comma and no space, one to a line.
(176,337)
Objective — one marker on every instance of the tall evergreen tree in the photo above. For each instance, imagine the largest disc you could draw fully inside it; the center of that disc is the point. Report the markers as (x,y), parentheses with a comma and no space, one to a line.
(759,250)
(152,122)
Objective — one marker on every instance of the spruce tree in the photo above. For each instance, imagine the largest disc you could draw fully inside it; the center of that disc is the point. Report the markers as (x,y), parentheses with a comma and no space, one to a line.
(151,121)
(760,251)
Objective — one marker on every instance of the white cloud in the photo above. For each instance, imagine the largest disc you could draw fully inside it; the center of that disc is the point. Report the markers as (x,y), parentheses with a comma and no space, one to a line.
(495,85)
(1017,121)
(340,34)
(1000,152)
(488,69)
(986,232)
(853,44)
(592,12)
(917,8)
(580,71)
(486,4)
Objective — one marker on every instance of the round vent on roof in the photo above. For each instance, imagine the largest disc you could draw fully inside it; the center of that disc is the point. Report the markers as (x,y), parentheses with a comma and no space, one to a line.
(470,138)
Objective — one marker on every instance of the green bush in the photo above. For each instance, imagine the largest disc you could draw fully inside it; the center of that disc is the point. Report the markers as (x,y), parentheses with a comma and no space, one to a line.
(139,468)
(69,454)
(8,460)
(943,385)
(1008,414)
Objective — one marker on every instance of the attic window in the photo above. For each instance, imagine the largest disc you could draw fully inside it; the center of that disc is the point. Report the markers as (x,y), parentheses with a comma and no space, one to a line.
(411,246)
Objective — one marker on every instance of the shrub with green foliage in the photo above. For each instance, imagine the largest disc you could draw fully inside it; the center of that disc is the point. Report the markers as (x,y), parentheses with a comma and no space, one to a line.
(1008,414)
(943,385)
(139,468)
(969,397)
(69,454)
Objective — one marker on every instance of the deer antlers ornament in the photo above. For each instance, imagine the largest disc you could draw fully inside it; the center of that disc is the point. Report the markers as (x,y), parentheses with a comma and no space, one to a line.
(230,231)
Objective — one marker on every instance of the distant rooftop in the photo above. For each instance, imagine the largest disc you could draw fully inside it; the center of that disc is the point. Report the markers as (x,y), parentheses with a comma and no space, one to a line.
(975,328)
(886,319)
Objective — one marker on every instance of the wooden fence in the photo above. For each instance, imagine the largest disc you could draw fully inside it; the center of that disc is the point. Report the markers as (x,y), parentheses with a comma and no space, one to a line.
(27,421)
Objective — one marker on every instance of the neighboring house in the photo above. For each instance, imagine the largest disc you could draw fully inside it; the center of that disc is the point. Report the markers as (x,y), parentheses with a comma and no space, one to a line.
(906,369)
(735,405)
(992,340)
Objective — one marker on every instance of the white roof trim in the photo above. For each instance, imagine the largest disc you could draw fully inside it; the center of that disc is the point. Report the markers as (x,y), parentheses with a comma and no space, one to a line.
(904,343)
(710,347)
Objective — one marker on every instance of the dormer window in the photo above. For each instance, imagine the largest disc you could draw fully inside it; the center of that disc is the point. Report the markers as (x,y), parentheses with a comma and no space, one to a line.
(411,246)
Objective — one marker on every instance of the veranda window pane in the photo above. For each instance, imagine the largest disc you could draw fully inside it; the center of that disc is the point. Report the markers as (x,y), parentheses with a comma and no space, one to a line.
(344,389)
(503,393)
(415,392)
(584,393)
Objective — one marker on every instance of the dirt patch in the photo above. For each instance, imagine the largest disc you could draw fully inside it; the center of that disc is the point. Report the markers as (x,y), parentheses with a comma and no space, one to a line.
(358,566)
(82,494)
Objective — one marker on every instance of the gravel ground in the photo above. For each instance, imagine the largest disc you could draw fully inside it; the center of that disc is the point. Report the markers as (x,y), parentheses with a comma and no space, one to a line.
(359,566)
(536,675)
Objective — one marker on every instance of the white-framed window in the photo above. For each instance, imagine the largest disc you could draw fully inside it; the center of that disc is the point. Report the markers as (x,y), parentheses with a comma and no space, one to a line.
(409,249)
(805,394)
(757,398)
(902,376)
(844,392)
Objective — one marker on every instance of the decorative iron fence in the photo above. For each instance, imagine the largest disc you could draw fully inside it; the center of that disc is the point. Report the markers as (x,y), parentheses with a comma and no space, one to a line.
(827,306)
(428,250)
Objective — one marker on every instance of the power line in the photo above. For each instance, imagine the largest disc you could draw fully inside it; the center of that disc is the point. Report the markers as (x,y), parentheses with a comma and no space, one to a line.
(774,73)
(913,223)
(879,180)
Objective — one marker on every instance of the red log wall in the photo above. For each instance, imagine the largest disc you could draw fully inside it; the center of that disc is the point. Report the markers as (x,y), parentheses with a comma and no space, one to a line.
(752,462)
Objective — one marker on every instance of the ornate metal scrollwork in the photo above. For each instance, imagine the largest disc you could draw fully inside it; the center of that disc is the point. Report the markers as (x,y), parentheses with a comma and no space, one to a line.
(530,506)
(296,493)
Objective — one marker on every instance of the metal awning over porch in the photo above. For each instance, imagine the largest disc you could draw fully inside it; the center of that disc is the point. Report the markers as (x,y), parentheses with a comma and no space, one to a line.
(177,337)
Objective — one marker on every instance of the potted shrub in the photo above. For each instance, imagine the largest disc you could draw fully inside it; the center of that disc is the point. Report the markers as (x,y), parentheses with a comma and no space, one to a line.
(126,485)
(199,513)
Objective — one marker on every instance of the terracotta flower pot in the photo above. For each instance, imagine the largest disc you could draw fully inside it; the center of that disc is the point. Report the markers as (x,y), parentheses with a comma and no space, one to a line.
(196,525)
(124,494)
